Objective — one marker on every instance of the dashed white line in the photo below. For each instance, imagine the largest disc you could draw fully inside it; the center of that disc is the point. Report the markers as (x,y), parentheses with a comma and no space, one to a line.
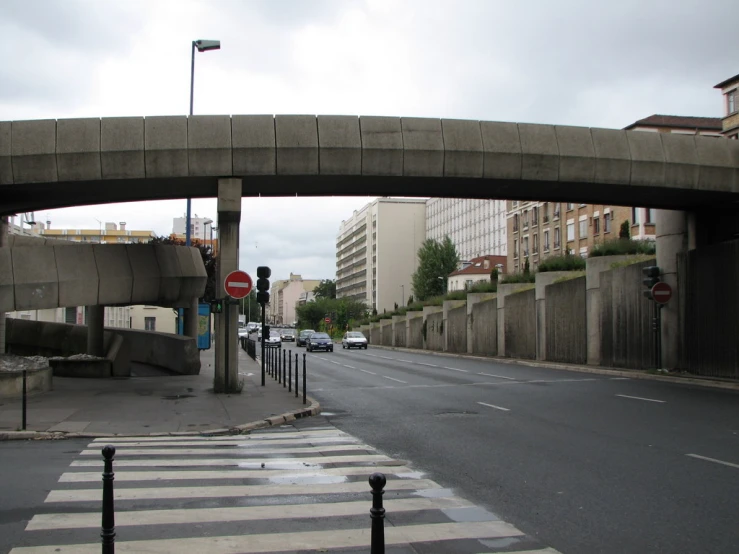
(455,369)
(393,379)
(385,357)
(350,366)
(714,460)
(430,365)
(620,378)
(368,372)
(493,406)
(640,398)
(498,376)
(333,362)
(407,361)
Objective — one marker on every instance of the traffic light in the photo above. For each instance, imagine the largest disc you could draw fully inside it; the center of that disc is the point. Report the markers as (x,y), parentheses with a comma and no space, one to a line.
(651,274)
(263,275)
(216,306)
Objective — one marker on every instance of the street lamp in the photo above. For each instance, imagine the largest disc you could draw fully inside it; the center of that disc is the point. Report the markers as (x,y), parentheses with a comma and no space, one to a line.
(201,46)
(443,282)
(402,292)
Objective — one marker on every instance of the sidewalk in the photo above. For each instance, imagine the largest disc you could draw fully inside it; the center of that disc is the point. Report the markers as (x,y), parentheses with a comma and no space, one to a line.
(151,403)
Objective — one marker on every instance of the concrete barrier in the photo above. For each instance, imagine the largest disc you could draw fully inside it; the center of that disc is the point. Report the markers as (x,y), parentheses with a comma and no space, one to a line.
(37,380)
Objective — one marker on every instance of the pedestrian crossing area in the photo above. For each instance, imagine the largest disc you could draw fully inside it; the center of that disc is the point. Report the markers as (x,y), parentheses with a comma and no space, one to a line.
(284,490)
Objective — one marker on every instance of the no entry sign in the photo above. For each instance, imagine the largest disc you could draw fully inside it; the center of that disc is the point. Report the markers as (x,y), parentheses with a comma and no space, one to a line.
(238,284)
(661,292)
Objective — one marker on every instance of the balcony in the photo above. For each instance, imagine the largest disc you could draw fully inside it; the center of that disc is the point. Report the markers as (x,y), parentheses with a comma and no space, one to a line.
(556,214)
(525,225)
(545,219)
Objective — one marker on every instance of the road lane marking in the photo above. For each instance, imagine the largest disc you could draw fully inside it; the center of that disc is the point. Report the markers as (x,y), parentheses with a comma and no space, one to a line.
(350,366)
(493,406)
(430,365)
(455,369)
(368,372)
(333,362)
(640,398)
(407,361)
(498,376)
(386,357)
(393,379)
(714,460)
(620,378)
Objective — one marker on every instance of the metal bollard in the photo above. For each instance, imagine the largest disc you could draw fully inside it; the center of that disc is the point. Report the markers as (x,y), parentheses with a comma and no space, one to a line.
(108,532)
(290,371)
(296,375)
(304,397)
(284,370)
(24,400)
(377,513)
(279,366)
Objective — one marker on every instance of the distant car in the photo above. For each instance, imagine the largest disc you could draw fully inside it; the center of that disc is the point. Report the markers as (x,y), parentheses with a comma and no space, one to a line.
(287,335)
(320,341)
(354,339)
(273,341)
(303,337)
(243,332)
(252,327)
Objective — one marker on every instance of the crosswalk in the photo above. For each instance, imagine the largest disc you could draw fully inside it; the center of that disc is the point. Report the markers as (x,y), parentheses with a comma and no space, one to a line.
(282,490)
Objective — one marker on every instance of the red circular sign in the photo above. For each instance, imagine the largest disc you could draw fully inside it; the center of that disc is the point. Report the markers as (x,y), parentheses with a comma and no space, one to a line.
(327,320)
(238,284)
(661,292)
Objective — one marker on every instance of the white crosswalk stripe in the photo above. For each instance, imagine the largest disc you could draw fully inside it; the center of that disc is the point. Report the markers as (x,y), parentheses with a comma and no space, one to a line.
(261,493)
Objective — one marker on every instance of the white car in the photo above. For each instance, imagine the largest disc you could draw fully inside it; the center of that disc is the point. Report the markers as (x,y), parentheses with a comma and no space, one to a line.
(354,339)
(273,341)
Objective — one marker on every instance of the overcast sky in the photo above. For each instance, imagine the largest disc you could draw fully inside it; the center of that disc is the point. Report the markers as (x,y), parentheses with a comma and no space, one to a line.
(596,64)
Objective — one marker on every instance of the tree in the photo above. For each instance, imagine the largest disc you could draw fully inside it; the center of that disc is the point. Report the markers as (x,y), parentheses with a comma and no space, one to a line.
(209,261)
(436,260)
(326,289)
(311,315)
(623,233)
(494,275)
(526,267)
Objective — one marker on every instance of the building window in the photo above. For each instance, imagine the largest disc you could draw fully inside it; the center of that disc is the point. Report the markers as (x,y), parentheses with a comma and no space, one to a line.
(525,220)
(556,237)
(150,323)
(515,248)
(525,247)
(650,216)
(546,241)
(536,244)
(545,213)
(535,217)
(596,225)
(70,315)
(570,206)
(556,210)
(570,232)
(515,223)
(583,229)
(606,223)
(731,101)
(635,216)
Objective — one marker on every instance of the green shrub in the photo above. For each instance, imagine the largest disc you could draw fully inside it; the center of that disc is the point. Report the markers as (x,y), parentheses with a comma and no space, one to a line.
(456,295)
(565,262)
(519,278)
(483,286)
(620,247)
(415,307)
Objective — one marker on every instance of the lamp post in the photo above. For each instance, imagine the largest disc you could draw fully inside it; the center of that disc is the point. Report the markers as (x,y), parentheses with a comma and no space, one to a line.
(443,283)
(402,292)
(201,46)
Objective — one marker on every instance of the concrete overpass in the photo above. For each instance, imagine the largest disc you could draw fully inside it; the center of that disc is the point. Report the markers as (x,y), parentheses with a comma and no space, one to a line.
(56,163)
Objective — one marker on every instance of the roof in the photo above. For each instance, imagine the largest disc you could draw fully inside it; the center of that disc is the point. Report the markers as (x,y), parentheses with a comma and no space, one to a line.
(679,121)
(722,84)
(477,266)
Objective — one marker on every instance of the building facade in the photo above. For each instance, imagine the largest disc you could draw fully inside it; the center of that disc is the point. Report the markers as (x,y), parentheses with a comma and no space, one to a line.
(476,270)
(201,228)
(730,122)
(111,234)
(377,252)
(476,227)
(285,296)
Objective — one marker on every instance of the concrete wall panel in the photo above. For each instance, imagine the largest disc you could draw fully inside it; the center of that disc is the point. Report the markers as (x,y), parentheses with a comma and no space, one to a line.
(375,336)
(36,279)
(296,137)
(122,148)
(209,145)
(682,168)
(33,147)
(340,145)
(485,327)
(165,141)
(435,331)
(78,275)
(116,275)
(194,277)
(382,145)
(400,328)
(501,144)
(415,331)
(254,146)
(146,274)
(169,267)
(520,325)
(576,154)
(718,164)
(423,145)
(566,335)
(78,149)
(612,156)
(7,292)
(6,165)
(386,332)
(463,155)
(647,158)
(540,152)
(456,330)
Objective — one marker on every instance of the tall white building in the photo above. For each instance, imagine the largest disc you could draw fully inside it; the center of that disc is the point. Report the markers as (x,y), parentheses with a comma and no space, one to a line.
(476,227)
(200,227)
(377,252)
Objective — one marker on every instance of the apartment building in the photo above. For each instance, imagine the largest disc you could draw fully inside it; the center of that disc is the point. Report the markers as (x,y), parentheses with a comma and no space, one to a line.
(476,270)
(285,295)
(537,230)
(377,252)
(476,227)
(110,234)
(730,122)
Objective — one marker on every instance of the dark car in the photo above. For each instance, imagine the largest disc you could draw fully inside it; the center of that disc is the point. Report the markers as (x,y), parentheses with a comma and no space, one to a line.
(303,337)
(320,341)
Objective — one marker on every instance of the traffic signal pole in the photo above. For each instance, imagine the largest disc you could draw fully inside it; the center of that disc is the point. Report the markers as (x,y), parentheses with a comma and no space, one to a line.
(262,341)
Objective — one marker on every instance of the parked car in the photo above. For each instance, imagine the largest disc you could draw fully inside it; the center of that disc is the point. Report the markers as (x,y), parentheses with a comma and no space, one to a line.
(303,337)
(320,341)
(354,339)
(287,335)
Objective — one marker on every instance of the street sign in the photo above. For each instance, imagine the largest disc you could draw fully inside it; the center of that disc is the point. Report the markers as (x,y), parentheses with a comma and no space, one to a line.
(327,320)
(661,292)
(238,284)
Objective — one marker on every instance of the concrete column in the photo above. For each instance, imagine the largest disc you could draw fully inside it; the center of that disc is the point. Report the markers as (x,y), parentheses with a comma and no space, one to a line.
(190,316)
(673,237)
(225,379)
(95,324)
(3,243)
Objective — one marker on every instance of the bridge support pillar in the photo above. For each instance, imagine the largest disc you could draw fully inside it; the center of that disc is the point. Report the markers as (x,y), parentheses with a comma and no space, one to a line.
(95,324)
(675,235)
(3,243)
(190,317)
(226,378)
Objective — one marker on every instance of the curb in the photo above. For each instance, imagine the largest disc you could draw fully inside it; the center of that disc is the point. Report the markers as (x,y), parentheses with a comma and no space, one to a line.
(313,409)
(630,373)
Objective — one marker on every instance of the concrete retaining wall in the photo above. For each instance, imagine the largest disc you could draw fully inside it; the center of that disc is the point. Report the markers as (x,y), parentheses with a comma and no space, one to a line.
(37,380)
(375,336)
(415,330)
(485,327)
(520,325)
(173,352)
(400,329)
(386,333)
(456,330)
(435,331)
(566,334)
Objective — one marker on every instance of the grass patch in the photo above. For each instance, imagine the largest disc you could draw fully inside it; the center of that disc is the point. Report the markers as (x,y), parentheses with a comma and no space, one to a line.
(635,260)
(518,278)
(623,247)
(562,263)
(575,275)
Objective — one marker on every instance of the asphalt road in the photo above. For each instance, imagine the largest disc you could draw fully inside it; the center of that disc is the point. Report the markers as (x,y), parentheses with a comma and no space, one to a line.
(587,463)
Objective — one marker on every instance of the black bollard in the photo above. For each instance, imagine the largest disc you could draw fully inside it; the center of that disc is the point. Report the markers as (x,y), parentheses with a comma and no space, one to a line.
(290,371)
(108,532)
(377,513)
(24,400)
(279,366)
(296,375)
(304,397)
(284,369)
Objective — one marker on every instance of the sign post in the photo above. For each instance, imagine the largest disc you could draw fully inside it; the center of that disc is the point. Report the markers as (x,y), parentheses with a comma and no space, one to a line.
(238,284)
(661,292)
